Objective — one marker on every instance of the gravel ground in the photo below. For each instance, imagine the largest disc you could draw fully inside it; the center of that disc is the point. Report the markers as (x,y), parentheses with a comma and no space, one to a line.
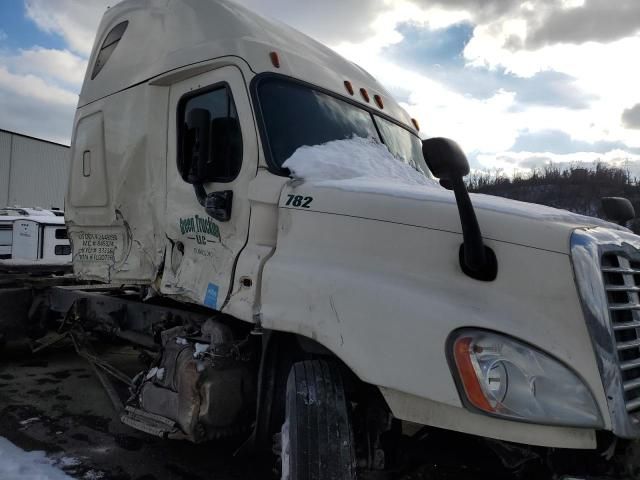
(53,402)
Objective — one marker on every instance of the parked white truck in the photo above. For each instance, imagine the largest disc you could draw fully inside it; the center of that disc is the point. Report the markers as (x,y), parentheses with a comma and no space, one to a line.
(341,300)
(33,239)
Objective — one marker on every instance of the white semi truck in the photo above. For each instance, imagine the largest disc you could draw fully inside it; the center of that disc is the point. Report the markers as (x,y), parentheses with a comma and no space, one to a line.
(33,239)
(296,273)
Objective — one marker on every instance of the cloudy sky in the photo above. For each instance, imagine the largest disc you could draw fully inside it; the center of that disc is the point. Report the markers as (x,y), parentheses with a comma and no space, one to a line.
(516,83)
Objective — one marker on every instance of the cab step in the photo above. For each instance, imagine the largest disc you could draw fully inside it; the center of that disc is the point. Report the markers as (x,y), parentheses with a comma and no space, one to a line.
(150,423)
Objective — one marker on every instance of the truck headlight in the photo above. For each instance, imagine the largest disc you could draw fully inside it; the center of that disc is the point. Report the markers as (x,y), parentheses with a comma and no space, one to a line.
(507,378)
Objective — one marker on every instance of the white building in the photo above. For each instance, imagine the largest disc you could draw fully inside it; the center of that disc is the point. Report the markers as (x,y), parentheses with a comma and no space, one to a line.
(33,172)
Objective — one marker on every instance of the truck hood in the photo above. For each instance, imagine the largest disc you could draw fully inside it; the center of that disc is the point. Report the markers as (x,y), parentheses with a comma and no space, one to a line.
(433,207)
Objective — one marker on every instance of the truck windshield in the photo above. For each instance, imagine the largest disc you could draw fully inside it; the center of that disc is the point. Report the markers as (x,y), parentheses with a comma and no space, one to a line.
(295,115)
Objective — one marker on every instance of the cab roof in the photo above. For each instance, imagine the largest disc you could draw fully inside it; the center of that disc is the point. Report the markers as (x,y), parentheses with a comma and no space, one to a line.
(166,35)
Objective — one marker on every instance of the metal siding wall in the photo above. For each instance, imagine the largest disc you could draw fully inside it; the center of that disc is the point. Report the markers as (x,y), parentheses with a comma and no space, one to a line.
(39,173)
(5,166)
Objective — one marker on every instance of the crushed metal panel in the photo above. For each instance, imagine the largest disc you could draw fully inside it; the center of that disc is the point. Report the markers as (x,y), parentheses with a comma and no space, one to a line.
(116,205)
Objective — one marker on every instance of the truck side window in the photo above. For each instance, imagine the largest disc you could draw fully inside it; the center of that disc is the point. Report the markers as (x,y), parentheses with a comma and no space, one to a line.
(108,46)
(209,137)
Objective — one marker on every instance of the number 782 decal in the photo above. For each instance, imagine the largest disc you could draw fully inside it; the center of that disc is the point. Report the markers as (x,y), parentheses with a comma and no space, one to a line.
(299,201)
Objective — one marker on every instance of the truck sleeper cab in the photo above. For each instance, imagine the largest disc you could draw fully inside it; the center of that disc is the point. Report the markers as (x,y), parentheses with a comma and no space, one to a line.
(187,115)
(33,239)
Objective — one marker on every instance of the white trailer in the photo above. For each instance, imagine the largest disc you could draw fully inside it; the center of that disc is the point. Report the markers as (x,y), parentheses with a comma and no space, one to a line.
(33,239)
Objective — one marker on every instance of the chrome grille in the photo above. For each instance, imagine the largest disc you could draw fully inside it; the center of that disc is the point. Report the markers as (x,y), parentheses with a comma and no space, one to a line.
(622,284)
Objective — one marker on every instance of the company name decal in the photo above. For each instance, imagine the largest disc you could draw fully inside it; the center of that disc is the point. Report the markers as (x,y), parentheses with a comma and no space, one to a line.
(200,226)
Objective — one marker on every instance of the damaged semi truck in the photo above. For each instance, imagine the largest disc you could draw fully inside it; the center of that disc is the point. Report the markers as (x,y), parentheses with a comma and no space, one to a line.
(298,278)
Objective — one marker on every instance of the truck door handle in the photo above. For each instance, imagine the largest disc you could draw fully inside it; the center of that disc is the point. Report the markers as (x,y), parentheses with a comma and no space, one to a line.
(216,204)
(86,163)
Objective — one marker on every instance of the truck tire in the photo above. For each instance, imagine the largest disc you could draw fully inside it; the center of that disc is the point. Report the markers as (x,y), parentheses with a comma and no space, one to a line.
(317,440)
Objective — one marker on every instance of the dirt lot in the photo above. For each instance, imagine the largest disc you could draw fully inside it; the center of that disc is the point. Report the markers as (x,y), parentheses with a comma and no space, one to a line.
(53,402)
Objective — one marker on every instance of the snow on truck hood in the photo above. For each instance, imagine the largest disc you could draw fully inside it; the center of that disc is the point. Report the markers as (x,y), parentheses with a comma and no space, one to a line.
(365,166)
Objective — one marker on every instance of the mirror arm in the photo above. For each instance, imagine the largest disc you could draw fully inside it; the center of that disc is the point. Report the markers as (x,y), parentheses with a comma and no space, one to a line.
(201,193)
(476,260)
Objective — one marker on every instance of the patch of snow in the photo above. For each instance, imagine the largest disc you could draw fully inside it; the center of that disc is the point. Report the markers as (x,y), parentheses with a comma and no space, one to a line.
(93,475)
(181,341)
(536,211)
(200,348)
(353,162)
(16,464)
(67,462)
(29,421)
(366,166)
(152,373)
(285,454)
(160,374)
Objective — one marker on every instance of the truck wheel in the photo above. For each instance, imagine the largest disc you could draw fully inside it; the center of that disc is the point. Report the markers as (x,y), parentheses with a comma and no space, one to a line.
(317,441)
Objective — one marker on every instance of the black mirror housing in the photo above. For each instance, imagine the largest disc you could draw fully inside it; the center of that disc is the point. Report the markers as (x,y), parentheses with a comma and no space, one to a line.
(216,204)
(445,158)
(618,209)
(447,161)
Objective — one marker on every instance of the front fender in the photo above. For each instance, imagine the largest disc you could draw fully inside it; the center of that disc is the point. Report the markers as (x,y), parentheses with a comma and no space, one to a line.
(384,297)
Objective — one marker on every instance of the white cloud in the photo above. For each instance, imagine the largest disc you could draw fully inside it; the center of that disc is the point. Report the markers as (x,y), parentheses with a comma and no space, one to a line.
(510,163)
(508,35)
(31,105)
(631,117)
(328,21)
(32,86)
(39,86)
(602,71)
(56,65)
(38,92)
(74,20)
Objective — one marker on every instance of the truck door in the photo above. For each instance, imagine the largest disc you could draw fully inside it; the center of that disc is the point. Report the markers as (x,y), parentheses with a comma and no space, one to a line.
(212,156)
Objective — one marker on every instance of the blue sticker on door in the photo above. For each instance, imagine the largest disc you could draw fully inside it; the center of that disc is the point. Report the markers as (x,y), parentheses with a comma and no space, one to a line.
(211,297)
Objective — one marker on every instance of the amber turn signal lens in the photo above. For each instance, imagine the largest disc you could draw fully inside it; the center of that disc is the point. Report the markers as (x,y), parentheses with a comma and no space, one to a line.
(415,124)
(365,95)
(462,354)
(348,86)
(378,100)
(275,59)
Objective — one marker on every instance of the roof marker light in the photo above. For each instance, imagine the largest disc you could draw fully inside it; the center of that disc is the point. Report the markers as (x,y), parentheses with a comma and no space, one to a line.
(275,59)
(348,86)
(365,95)
(415,124)
(378,100)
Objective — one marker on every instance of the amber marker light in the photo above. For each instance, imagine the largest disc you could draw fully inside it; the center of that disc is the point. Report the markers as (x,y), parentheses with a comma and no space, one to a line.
(462,353)
(415,124)
(275,59)
(348,86)
(365,95)
(379,102)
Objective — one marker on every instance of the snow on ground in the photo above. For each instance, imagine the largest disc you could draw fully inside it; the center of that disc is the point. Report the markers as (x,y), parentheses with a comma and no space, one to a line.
(16,464)
(353,161)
